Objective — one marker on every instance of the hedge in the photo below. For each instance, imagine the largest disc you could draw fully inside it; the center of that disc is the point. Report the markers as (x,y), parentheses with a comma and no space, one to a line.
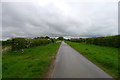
(21,43)
(111,41)
(6,43)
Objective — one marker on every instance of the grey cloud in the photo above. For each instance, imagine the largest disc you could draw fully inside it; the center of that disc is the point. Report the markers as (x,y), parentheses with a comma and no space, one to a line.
(30,20)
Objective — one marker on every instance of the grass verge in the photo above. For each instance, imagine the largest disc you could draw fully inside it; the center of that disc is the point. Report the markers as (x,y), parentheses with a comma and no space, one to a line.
(104,57)
(32,63)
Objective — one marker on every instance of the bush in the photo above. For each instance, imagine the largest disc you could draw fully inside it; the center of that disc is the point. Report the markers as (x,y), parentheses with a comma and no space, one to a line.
(6,43)
(21,43)
(111,41)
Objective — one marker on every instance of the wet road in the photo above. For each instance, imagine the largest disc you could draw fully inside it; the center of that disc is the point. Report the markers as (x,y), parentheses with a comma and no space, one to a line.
(70,64)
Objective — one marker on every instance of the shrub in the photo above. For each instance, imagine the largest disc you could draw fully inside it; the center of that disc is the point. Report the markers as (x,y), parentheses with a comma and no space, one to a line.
(21,43)
(111,41)
(6,43)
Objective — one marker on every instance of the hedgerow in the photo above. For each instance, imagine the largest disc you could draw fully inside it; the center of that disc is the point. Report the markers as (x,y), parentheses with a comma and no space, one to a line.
(21,43)
(111,41)
(6,43)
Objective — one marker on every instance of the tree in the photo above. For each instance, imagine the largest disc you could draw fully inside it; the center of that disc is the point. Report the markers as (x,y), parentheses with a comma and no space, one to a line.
(39,37)
(46,37)
(60,38)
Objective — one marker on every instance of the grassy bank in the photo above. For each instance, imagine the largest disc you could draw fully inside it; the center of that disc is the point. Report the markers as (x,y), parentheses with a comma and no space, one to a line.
(32,63)
(104,57)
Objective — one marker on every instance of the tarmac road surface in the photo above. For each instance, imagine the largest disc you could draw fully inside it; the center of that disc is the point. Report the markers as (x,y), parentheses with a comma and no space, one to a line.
(71,64)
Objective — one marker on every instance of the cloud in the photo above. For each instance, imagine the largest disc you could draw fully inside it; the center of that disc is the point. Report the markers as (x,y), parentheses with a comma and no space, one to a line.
(63,18)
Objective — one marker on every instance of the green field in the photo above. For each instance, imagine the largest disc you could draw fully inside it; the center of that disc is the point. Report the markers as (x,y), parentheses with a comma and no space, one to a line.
(104,57)
(32,63)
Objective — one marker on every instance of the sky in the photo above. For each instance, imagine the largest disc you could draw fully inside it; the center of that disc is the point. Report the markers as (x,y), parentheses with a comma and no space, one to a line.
(54,18)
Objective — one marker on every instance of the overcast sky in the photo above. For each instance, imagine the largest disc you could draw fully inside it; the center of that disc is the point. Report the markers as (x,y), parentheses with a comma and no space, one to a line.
(68,18)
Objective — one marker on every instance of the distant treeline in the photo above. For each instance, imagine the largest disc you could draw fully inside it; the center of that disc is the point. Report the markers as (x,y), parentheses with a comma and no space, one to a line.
(111,41)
